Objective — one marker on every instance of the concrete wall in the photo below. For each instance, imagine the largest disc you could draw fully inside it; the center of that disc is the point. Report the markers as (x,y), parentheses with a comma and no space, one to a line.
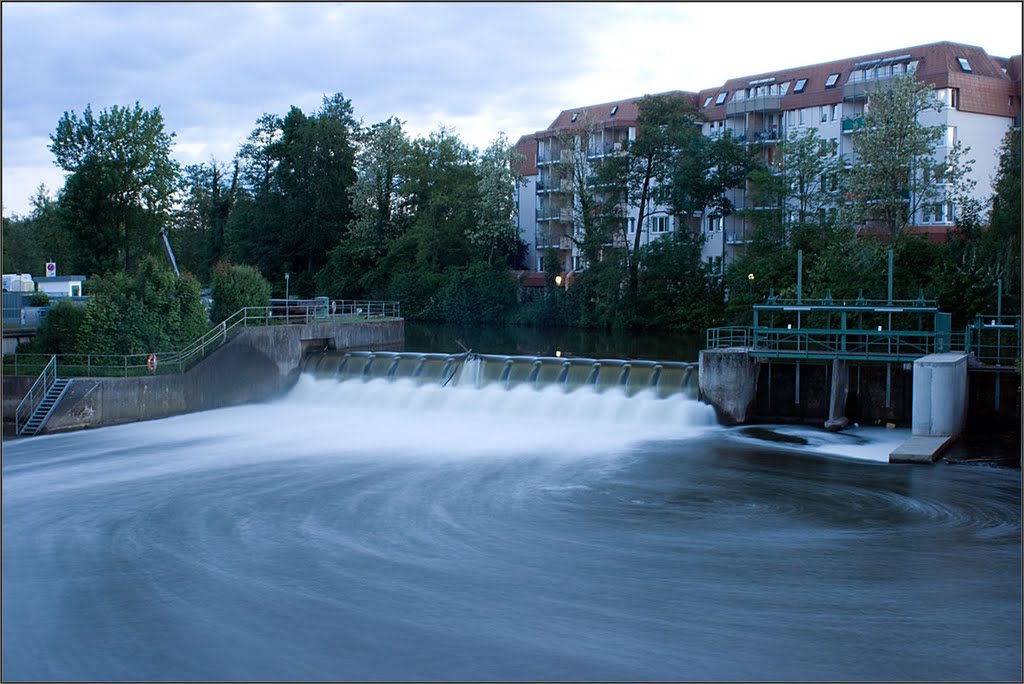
(940,395)
(255,365)
(728,381)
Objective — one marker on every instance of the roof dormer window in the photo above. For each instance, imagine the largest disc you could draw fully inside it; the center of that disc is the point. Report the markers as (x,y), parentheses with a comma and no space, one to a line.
(830,82)
(964,64)
(721,97)
(575,115)
(614,109)
(800,85)
(708,101)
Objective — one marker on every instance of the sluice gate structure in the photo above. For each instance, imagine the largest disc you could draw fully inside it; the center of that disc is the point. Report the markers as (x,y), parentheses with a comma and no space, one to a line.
(871,361)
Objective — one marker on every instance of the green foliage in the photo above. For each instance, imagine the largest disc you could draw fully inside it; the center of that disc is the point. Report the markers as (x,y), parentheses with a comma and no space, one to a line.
(677,290)
(478,294)
(198,226)
(31,241)
(121,187)
(39,298)
(234,287)
(59,331)
(151,311)
(896,171)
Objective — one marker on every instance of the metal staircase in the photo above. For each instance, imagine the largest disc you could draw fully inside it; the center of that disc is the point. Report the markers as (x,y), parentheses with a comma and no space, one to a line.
(42,413)
(37,406)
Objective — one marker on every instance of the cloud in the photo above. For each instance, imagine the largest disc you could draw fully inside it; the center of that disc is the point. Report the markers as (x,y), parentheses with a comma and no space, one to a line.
(214,68)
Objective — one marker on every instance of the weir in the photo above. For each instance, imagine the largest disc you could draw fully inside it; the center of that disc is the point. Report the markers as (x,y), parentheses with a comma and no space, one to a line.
(661,378)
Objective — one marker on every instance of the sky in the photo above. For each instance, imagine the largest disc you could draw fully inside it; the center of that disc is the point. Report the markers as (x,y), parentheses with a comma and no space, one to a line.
(479,68)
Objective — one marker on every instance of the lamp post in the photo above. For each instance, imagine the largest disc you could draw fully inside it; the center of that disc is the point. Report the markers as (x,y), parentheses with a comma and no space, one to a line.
(558,280)
(287,282)
(750,279)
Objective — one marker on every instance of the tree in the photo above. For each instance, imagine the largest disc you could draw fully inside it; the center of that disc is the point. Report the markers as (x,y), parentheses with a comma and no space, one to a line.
(200,219)
(678,291)
(120,191)
(703,169)
(640,175)
(896,171)
(31,241)
(813,173)
(496,228)
(234,287)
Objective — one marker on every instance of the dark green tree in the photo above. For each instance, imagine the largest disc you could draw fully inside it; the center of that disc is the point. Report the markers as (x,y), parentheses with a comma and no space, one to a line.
(121,185)
(234,287)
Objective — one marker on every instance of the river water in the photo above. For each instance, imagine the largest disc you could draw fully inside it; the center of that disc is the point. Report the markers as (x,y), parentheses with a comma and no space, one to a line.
(394,531)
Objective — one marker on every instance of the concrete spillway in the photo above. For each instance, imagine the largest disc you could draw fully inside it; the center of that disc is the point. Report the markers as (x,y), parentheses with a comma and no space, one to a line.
(662,379)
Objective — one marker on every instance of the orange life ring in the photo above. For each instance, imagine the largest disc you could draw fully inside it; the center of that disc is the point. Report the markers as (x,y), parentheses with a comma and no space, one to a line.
(151,363)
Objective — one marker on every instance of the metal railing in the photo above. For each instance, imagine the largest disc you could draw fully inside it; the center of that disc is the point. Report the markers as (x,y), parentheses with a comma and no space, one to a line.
(994,339)
(280,312)
(35,394)
(735,336)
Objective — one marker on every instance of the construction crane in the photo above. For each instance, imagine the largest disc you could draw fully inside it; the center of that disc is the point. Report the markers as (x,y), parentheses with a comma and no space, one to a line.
(170,253)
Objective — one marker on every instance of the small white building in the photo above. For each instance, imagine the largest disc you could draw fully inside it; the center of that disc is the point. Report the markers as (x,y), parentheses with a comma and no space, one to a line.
(18,282)
(61,286)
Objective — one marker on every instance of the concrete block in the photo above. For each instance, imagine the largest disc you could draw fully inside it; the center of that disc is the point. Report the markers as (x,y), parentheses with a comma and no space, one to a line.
(728,381)
(940,395)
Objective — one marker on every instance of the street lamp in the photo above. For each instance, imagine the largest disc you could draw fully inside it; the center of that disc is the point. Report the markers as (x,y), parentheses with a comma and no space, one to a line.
(287,281)
(558,280)
(750,279)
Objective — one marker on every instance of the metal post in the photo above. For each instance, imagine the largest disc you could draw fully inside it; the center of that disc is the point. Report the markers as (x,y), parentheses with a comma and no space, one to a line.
(287,282)
(799,275)
(797,402)
(890,276)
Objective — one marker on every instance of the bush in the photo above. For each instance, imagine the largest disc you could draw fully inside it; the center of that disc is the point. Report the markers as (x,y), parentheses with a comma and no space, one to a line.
(151,311)
(59,331)
(39,298)
(235,287)
(477,294)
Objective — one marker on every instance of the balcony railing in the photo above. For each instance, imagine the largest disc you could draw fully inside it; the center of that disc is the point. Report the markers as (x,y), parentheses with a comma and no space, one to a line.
(852,123)
(764,103)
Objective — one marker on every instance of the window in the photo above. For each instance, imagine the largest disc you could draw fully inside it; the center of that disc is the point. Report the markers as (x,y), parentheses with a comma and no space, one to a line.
(614,109)
(791,116)
(800,117)
(799,87)
(835,112)
(784,88)
(575,115)
(950,136)
(721,97)
(631,225)
(954,98)
(964,64)
(76,290)
(739,95)
(823,113)
(830,82)
(707,101)
(659,224)
(912,67)
(856,75)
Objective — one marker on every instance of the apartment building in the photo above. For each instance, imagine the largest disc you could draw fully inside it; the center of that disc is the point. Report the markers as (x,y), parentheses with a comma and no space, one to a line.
(980,96)
(555,162)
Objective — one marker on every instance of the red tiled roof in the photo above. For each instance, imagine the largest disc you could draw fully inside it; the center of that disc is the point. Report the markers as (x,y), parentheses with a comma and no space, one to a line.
(984,90)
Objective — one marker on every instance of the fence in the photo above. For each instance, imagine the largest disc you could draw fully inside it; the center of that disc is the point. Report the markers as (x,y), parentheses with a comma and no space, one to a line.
(280,312)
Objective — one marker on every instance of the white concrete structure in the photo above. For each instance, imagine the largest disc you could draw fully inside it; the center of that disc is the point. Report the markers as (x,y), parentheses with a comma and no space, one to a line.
(940,395)
(61,286)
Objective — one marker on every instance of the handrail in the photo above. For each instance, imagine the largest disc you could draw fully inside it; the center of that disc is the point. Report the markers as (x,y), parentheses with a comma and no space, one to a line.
(48,377)
(294,313)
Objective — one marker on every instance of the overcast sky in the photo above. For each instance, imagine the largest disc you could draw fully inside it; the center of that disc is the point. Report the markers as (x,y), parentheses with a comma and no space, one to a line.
(481,69)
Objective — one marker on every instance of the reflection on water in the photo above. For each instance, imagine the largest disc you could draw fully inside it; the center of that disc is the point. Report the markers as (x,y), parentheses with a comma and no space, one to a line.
(376,531)
(526,341)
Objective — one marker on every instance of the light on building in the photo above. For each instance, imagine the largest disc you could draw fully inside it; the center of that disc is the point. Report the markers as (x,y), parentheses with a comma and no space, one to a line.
(558,353)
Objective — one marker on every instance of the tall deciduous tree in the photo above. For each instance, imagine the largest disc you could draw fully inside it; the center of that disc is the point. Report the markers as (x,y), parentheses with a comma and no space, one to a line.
(896,170)
(665,124)
(121,185)
(496,229)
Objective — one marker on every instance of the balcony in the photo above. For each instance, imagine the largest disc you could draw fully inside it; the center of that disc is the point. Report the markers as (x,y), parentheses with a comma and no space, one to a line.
(773,135)
(765,103)
(859,90)
(545,185)
(852,123)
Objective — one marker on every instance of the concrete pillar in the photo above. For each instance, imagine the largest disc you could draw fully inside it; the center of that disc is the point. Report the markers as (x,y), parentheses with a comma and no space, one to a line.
(728,381)
(837,419)
(940,395)
(940,407)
